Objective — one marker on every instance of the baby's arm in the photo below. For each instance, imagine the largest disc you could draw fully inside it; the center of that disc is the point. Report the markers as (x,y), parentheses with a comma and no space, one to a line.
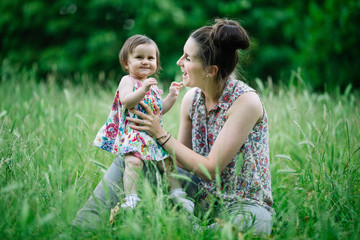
(130,98)
(170,99)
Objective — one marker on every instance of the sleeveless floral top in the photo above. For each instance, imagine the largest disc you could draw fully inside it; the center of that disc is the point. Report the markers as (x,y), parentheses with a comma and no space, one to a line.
(247,177)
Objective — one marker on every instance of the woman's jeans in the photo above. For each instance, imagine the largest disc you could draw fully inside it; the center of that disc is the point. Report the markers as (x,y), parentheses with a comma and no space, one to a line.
(104,197)
(243,216)
(110,190)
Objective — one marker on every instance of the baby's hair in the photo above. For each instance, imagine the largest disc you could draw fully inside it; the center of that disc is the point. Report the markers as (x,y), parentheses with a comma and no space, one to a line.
(131,43)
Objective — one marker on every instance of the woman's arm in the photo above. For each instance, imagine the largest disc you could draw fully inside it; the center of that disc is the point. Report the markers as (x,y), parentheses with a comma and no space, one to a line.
(171,98)
(130,98)
(184,133)
(241,118)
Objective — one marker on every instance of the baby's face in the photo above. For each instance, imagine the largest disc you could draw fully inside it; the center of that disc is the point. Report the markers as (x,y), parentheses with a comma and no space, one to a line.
(142,61)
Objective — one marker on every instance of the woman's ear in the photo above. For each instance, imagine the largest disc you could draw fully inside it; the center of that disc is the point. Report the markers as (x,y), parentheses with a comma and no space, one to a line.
(212,70)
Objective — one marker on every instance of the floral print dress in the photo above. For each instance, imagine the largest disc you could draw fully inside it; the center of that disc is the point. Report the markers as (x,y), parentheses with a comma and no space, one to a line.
(247,177)
(117,137)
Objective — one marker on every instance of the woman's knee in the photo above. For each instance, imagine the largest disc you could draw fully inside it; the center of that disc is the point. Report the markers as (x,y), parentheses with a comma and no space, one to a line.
(253,217)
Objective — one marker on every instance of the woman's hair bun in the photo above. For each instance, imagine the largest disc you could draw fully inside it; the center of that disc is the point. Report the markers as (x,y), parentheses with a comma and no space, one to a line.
(229,35)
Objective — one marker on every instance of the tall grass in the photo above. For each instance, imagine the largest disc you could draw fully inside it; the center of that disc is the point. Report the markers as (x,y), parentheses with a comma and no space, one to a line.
(48,167)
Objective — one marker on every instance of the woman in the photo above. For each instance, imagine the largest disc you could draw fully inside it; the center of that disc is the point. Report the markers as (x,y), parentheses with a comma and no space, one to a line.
(223,135)
(223,128)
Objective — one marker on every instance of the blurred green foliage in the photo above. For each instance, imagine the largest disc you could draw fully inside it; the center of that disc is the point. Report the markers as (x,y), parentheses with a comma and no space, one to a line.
(76,36)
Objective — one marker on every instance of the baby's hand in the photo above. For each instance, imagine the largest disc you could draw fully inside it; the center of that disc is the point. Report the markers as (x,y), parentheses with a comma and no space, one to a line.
(148,82)
(174,88)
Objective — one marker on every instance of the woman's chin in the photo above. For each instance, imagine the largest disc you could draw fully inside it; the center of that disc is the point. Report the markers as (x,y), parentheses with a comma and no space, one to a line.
(186,83)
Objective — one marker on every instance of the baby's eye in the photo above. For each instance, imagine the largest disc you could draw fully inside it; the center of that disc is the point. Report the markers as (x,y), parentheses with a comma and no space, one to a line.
(138,57)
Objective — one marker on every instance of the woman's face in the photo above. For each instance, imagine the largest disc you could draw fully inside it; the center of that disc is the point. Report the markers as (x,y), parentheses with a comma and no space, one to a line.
(191,64)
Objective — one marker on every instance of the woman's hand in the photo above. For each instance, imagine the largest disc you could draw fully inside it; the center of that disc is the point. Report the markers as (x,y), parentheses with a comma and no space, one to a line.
(149,122)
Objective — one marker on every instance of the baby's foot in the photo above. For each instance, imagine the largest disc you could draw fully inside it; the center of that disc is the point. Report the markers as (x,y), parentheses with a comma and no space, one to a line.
(187,204)
(179,197)
(130,201)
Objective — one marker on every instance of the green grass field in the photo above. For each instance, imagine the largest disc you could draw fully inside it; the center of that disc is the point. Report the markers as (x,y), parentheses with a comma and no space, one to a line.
(48,167)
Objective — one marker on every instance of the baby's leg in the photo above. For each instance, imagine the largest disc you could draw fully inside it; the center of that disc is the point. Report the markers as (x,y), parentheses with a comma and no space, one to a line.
(133,166)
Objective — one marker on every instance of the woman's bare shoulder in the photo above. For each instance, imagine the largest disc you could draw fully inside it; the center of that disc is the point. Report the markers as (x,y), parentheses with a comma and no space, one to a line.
(189,95)
(249,103)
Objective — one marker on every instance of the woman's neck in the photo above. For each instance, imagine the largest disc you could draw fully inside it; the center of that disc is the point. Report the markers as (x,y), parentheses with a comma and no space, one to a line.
(210,101)
(213,90)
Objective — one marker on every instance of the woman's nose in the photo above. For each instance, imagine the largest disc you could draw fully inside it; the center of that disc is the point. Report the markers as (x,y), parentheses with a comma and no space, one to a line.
(179,62)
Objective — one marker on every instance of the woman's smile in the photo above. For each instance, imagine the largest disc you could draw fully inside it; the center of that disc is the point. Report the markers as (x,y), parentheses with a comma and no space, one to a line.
(191,65)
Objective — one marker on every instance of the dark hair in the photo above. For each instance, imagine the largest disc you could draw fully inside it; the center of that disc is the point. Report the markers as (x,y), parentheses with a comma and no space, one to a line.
(218,45)
(131,43)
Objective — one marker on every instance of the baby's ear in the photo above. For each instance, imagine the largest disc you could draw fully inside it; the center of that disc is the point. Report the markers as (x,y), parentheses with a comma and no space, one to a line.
(124,63)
